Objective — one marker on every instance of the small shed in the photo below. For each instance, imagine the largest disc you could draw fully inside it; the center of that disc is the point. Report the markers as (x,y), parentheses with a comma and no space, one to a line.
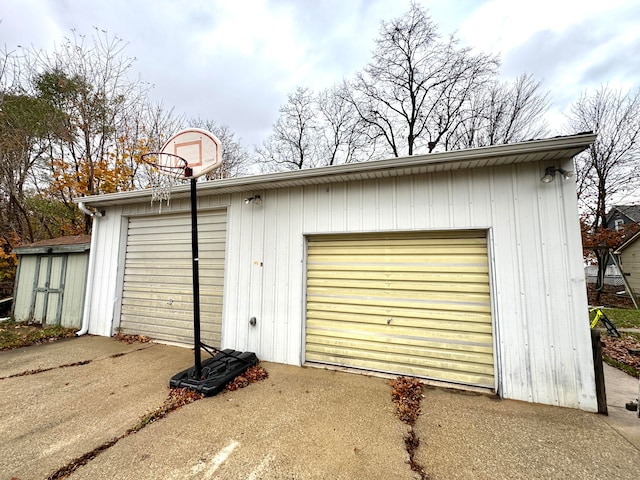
(51,281)
(629,254)
(462,268)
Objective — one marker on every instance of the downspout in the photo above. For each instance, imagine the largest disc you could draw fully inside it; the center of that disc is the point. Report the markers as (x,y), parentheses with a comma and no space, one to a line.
(92,262)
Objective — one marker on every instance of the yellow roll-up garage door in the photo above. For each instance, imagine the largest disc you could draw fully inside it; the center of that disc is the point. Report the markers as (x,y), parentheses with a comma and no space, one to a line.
(410,303)
(157,299)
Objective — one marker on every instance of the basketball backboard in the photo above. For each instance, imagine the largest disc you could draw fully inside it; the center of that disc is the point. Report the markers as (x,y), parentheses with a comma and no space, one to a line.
(201,149)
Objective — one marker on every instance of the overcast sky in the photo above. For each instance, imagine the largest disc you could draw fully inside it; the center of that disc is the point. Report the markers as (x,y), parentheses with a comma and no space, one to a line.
(235,61)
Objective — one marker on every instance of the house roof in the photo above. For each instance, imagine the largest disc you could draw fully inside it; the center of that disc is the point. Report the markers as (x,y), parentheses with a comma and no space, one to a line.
(552,150)
(627,243)
(630,211)
(67,244)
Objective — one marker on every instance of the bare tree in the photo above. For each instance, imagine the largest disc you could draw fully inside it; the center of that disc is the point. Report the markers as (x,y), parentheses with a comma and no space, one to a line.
(341,135)
(293,145)
(503,112)
(610,166)
(416,87)
(607,168)
(145,130)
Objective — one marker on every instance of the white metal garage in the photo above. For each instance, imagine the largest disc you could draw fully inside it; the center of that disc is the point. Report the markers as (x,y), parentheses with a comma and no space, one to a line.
(157,298)
(404,303)
(522,328)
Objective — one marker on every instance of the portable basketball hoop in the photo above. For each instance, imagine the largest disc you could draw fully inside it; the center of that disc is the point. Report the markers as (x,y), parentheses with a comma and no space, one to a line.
(187,155)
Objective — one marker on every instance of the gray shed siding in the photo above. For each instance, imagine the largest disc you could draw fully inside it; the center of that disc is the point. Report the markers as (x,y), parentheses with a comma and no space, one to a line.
(74,283)
(25,278)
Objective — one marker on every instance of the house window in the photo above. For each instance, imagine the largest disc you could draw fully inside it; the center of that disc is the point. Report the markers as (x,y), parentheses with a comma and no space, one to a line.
(618,222)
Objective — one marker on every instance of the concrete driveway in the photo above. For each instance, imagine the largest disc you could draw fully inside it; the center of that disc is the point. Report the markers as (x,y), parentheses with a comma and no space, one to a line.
(301,423)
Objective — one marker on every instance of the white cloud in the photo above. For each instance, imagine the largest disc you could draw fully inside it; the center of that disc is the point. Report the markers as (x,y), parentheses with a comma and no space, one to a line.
(235,62)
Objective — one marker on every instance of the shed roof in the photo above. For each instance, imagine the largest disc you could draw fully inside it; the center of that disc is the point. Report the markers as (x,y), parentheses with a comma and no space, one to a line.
(552,150)
(67,244)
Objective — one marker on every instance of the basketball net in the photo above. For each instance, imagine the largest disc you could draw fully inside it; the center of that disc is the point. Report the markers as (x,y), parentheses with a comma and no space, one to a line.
(163,170)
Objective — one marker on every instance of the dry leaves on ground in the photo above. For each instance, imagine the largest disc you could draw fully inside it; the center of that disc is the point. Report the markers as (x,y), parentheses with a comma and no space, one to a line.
(406,394)
(625,349)
(128,338)
(252,375)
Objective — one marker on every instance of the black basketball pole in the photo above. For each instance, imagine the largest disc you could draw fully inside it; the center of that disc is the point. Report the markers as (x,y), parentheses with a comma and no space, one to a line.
(196,279)
(211,376)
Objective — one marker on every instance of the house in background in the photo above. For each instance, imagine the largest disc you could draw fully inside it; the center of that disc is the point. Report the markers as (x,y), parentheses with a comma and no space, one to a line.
(622,215)
(629,255)
(50,281)
(463,268)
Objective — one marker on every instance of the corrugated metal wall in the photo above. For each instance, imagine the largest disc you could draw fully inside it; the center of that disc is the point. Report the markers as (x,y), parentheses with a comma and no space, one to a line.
(541,329)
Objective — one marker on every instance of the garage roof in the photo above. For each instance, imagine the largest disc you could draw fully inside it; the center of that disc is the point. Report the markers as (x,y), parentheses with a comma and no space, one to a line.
(551,150)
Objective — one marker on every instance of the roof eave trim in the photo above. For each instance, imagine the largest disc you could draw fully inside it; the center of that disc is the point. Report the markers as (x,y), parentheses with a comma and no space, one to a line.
(582,140)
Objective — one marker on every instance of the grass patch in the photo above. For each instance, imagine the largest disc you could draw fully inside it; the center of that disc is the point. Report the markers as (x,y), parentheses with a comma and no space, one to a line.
(622,317)
(22,334)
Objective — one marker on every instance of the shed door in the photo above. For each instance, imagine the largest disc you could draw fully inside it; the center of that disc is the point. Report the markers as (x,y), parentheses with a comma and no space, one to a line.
(413,304)
(157,298)
(46,305)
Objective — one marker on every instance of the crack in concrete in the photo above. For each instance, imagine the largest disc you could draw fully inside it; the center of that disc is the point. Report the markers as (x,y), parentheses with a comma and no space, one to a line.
(42,370)
(178,397)
(68,365)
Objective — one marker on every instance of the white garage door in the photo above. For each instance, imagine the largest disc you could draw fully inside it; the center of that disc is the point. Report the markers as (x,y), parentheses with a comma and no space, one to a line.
(157,297)
(413,304)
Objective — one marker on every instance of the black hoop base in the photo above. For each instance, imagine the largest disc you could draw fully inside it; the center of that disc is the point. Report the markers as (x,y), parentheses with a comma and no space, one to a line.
(216,372)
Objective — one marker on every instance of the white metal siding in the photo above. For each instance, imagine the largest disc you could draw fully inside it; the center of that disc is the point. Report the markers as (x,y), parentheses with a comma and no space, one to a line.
(409,303)
(157,296)
(541,332)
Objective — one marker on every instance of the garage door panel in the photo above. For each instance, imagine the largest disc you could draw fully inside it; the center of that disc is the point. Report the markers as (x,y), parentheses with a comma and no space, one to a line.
(180,255)
(445,375)
(483,361)
(385,284)
(384,268)
(436,359)
(405,303)
(401,239)
(315,272)
(176,303)
(179,268)
(432,304)
(181,332)
(387,311)
(412,336)
(480,326)
(395,293)
(157,296)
